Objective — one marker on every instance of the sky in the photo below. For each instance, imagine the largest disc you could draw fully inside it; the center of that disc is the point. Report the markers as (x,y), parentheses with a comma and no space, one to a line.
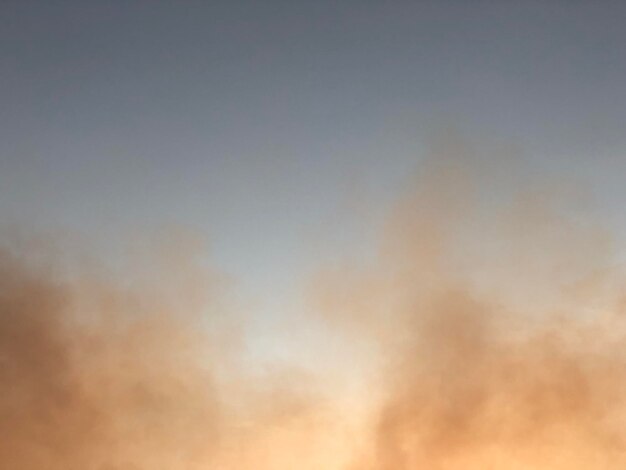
(282,131)
(387,235)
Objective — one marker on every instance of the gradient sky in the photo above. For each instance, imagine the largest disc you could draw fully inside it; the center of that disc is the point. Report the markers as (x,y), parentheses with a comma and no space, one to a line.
(264,125)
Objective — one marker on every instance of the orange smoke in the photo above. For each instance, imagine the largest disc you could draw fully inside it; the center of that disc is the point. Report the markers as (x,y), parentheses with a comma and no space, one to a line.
(498,314)
(140,371)
(492,314)
(95,376)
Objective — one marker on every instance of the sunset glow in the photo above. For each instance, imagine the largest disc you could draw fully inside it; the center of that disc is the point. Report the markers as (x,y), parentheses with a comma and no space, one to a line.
(312,236)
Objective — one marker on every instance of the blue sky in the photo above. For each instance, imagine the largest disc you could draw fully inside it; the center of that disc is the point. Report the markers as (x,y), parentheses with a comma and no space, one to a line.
(280,131)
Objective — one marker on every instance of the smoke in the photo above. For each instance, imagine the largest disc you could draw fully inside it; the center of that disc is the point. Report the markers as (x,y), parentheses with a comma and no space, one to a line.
(97,374)
(137,366)
(488,326)
(498,314)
